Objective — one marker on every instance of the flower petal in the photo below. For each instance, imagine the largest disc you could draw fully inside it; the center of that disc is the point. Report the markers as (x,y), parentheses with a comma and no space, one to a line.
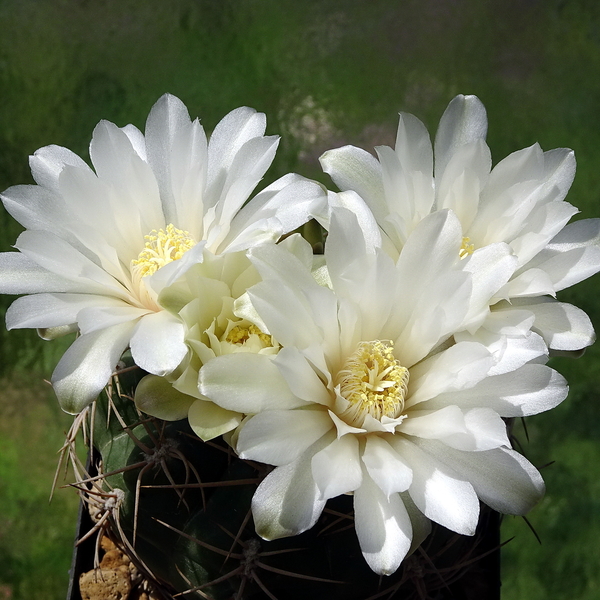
(280,208)
(157,344)
(87,365)
(21,275)
(336,469)
(208,420)
(464,121)
(502,478)
(301,377)
(279,437)
(156,396)
(288,502)
(385,466)
(439,492)
(247,383)
(352,168)
(563,326)
(52,310)
(530,390)
(48,162)
(383,527)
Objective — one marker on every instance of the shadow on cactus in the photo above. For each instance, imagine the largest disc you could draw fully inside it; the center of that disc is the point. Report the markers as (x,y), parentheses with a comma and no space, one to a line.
(180,509)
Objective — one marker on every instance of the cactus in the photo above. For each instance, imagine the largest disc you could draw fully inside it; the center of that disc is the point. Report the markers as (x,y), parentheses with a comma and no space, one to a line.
(180,508)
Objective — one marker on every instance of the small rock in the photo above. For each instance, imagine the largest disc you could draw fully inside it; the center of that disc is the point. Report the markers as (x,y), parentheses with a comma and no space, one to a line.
(105,584)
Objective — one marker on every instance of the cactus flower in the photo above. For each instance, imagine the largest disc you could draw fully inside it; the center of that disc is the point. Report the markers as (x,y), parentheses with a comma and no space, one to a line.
(520,202)
(100,245)
(371,394)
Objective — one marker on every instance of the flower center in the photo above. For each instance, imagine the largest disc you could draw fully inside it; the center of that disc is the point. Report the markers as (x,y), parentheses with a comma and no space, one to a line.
(161,248)
(466,248)
(373,382)
(239,335)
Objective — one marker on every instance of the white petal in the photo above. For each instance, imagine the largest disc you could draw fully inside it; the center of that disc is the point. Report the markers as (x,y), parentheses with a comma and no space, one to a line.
(459,367)
(492,266)
(288,502)
(507,319)
(509,352)
(117,163)
(280,208)
(533,282)
(475,430)
(502,478)
(366,221)
(580,242)
(336,469)
(246,170)
(570,267)
(463,122)
(286,314)
(383,527)
(464,177)
(445,423)
(421,525)
(413,148)
(301,376)
(21,275)
(136,137)
(279,437)
(59,257)
(542,225)
(109,312)
(52,310)
(310,311)
(230,134)
(422,318)
(87,365)
(36,207)
(385,466)
(440,493)
(47,164)
(210,421)
(563,326)
(515,186)
(527,391)
(247,383)
(157,344)
(355,169)
(167,119)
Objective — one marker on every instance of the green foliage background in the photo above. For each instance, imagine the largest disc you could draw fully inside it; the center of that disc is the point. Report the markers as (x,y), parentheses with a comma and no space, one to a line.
(327,73)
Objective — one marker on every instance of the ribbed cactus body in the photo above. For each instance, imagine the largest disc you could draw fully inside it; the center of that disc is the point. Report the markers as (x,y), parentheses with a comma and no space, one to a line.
(202,537)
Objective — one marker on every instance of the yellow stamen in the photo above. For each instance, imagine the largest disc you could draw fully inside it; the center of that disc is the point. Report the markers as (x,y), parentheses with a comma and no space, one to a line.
(466,248)
(240,335)
(161,248)
(373,382)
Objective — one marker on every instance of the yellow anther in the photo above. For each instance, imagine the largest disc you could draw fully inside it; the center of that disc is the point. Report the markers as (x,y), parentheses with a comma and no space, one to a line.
(466,248)
(374,382)
(162,247)
(240,335)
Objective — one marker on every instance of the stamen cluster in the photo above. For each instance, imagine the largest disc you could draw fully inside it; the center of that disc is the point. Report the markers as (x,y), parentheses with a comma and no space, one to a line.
(162,247)
(373,381)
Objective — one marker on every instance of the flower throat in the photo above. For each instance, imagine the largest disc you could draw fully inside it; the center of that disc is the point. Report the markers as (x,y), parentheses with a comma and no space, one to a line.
(373,382)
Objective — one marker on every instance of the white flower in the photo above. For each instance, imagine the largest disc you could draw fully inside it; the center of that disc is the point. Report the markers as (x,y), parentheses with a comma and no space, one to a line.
(205,298)
(369,393)
(100,246)
(520,201)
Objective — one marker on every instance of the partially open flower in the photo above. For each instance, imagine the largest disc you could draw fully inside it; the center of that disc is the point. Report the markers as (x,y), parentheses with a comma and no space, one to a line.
(205,301)
(100,246)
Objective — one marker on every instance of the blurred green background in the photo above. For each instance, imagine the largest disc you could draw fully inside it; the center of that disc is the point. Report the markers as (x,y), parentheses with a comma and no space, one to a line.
(327,73)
